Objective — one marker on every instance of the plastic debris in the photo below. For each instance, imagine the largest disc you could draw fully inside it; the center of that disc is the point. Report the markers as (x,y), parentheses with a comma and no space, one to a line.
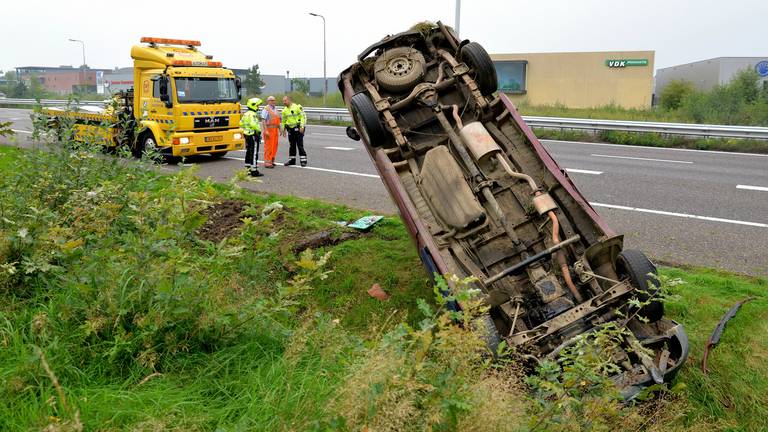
(377,292)
(365,223)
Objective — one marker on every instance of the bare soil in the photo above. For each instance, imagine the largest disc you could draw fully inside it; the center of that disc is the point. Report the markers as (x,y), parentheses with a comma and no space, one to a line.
(223,220)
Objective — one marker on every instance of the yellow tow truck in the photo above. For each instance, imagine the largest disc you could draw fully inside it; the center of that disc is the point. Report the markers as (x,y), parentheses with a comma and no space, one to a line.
(183,103)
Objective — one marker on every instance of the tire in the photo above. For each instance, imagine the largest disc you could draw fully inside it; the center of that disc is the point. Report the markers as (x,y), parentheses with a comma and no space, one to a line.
(399,69)
(368,119)
(145,140)
(636,266)
(482,69)
(488,332)
(218,155)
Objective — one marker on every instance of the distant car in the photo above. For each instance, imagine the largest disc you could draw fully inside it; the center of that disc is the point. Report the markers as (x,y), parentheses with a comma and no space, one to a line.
(2,95)
(482,197)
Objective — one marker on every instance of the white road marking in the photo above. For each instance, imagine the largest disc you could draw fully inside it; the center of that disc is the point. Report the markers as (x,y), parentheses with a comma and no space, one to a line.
(643,159)
(340,148)
(683,215)
(655,148)
(318,169)
(581,171)
(755,188)
(327,134)
(21,131)
(594,204)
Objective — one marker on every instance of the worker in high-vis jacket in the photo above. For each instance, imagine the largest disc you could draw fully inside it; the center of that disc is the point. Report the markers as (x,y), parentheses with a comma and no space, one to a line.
(250,123)
(293,123)
(270,121)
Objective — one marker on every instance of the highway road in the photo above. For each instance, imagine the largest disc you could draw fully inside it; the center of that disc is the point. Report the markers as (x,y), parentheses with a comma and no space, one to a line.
(700,208)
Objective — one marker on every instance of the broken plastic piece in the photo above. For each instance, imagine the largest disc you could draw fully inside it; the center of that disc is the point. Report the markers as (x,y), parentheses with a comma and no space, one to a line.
(714,339)
(365,223)
(377,292)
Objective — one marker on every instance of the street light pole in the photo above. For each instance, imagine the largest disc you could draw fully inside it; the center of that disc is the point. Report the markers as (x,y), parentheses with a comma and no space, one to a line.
(458,16)
(82,82)
(325,77)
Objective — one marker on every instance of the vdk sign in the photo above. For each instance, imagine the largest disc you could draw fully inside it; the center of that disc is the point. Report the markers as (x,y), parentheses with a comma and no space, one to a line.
(621,63)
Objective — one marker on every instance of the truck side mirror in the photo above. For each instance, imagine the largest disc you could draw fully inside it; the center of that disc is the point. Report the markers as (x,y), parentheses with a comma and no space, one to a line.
(239,86)
(164,96)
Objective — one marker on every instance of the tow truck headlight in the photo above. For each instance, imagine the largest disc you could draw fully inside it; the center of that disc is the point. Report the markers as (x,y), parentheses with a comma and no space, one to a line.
(237,136)
(182,140)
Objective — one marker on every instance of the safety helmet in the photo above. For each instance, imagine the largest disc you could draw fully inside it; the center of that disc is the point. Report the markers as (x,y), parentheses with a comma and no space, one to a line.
(253,103)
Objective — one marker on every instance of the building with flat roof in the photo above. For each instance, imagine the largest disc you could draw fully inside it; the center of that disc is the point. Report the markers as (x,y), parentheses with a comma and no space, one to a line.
(578,79)
(706,74)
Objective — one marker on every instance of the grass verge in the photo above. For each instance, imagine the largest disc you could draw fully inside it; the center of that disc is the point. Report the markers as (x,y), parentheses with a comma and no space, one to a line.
(656,140)
(116,313)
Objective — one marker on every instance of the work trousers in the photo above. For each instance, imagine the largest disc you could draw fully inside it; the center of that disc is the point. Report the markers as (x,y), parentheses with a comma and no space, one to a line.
(271,135)
(296,139)
(252,150)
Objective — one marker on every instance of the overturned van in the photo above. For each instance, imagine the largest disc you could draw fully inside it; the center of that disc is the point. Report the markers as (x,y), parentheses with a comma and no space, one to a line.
(481,197)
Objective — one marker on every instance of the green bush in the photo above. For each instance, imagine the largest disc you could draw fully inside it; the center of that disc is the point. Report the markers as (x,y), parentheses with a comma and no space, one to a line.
(741,101)
(674,93)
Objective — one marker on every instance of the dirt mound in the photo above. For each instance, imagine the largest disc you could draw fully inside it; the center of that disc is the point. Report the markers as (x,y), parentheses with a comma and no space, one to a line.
(323,238)
(223,220)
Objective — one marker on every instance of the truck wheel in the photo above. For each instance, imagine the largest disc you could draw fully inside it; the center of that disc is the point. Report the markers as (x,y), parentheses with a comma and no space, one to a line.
(367,117)
(218,155)
(145,141)
(399,69)
(633,264)
(482,69)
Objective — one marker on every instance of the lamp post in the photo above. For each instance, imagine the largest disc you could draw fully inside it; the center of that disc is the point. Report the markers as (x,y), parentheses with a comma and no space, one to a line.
(458,16)
(82,82)
(325,79)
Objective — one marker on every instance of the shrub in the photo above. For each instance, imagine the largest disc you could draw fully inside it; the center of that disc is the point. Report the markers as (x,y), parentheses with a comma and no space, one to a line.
(674,93)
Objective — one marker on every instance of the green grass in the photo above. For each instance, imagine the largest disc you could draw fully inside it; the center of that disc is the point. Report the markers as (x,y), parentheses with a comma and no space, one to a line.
(730,397)
(610,112)
(656,140)
(256,357)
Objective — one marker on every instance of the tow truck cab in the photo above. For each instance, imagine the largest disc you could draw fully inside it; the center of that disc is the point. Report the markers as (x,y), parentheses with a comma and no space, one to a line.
(185,102)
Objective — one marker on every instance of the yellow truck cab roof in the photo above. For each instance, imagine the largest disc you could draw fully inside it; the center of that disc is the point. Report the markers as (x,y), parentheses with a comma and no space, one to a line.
(162,53)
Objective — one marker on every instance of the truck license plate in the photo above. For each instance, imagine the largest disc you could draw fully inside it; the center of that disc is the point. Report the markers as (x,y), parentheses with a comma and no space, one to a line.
(213,138)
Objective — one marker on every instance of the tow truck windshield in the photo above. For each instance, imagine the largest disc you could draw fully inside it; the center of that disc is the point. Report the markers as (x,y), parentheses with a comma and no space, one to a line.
(205,90)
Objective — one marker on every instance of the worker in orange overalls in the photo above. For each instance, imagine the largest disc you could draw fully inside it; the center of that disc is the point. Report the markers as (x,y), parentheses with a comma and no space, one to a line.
(270,125)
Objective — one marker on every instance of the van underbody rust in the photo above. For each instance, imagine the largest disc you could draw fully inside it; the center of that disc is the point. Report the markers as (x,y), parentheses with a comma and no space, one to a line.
(481,197)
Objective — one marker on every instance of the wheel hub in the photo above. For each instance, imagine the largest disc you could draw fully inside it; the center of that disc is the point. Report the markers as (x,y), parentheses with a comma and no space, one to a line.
(400,66)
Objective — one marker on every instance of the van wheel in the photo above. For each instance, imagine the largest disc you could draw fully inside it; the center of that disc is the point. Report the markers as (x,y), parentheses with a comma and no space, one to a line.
(633,264)
(366,115)
(399,69)
(482,69)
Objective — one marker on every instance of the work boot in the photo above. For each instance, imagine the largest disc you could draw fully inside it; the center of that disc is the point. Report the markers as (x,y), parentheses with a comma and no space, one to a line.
(291,161)
(303,161)
(256,173)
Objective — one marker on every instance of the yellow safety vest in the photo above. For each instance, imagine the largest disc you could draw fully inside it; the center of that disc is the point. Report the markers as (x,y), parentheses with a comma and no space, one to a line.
(293,116)
(250,122)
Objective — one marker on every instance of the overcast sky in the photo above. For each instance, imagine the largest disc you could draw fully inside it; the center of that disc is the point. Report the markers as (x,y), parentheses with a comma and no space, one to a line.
(280,35)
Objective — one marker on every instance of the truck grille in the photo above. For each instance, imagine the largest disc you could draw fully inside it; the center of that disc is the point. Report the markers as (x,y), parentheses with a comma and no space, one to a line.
(211,122)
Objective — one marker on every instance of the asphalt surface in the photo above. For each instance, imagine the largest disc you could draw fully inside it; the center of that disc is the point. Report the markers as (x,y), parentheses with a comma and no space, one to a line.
(679,206)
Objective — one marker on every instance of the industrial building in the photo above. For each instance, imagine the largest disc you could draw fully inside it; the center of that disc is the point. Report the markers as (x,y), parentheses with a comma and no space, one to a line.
(578,79)
(67,79)
(706,74)
(64,79)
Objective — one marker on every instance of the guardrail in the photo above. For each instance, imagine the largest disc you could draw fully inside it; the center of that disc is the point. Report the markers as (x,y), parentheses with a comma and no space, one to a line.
(686,129)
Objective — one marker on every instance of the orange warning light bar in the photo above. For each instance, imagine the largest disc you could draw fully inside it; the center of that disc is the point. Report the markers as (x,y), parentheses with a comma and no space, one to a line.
(170,41)
(196,63)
